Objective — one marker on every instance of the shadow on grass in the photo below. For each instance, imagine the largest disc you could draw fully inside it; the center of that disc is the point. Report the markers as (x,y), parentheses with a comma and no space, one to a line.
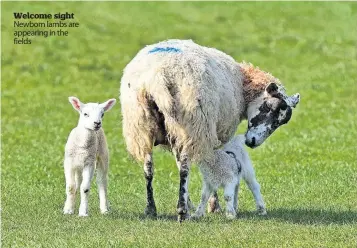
(305,216)
(121,214)
(296,216)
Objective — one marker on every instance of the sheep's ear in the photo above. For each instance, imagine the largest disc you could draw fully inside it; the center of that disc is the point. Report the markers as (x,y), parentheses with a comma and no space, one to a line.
(108,104)
(293,100)
(76,103)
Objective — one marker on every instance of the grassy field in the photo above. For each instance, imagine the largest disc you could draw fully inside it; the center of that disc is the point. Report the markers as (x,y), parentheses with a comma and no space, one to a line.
(307,169)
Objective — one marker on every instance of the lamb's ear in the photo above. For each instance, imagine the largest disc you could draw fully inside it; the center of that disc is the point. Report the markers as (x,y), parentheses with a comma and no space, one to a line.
(272,89)
(108,104)
(76,103)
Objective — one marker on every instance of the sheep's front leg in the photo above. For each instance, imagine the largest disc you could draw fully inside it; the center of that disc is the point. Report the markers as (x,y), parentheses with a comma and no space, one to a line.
(150,209)
(70,188)
(102,182)
(183,165)
(85,187)
(213,206)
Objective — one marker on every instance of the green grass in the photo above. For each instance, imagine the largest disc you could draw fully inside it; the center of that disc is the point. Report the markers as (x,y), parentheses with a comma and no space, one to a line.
(307,169)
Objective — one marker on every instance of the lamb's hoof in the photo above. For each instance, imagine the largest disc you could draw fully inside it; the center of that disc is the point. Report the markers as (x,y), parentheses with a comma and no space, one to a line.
(196,216)
(262,211)
(104,211)
(68,211)
(83,214)
(231,215)
(150,212)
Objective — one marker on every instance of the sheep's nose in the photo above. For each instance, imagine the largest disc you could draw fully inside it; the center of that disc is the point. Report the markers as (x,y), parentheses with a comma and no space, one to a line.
(251,144)
(97,124)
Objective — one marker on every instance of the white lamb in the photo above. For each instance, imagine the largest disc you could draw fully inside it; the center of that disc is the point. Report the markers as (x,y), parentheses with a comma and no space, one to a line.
(231,164)
(85,150)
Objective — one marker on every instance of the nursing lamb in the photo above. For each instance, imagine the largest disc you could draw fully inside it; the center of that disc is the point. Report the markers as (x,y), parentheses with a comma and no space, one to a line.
(230,164)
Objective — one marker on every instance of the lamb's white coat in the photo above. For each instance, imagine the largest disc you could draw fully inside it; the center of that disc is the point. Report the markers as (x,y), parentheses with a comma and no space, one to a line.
(86,149)
(231,163)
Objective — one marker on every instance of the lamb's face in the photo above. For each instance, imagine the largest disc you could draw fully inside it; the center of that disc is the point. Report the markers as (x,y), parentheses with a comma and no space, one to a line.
(268,112)
(91,114)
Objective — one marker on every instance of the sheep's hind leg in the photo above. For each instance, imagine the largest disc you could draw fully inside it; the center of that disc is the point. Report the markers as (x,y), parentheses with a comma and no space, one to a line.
(150,209)
(70,189)
(213,206)
(183,165)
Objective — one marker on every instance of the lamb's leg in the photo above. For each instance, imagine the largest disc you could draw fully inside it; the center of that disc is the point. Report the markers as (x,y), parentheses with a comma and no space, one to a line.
(70,189)
(85,187)
(78,178)
(102,182)
(204,198)
(213,206)
(150,209)
(229,193)
(255,188)
(183,165)
(191,206)
(235,202)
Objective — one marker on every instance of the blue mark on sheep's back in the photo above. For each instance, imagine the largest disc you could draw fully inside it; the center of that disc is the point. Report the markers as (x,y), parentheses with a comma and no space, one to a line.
(165,49)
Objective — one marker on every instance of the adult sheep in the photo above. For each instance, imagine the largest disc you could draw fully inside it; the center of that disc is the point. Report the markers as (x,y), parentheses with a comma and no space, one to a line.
(190,99)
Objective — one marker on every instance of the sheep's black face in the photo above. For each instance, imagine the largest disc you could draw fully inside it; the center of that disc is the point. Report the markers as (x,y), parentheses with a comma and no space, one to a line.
(267,113)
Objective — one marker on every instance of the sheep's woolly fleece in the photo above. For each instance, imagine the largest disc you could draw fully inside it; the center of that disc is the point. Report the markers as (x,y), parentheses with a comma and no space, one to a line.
(190,95)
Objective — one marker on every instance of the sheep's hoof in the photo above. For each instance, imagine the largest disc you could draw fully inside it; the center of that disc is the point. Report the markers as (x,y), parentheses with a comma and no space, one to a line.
(183,217)
(150,212)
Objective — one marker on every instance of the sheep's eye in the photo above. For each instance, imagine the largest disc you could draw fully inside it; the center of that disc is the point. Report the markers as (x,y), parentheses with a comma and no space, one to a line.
(283,106)
(86,115)
(102,115)
(265,107)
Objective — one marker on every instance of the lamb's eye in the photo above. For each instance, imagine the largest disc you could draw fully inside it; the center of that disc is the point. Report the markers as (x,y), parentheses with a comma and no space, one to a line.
(86,115)
(102,115)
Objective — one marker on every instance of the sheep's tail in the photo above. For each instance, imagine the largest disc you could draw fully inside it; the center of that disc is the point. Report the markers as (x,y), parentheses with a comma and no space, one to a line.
(136,129)
(141,124)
